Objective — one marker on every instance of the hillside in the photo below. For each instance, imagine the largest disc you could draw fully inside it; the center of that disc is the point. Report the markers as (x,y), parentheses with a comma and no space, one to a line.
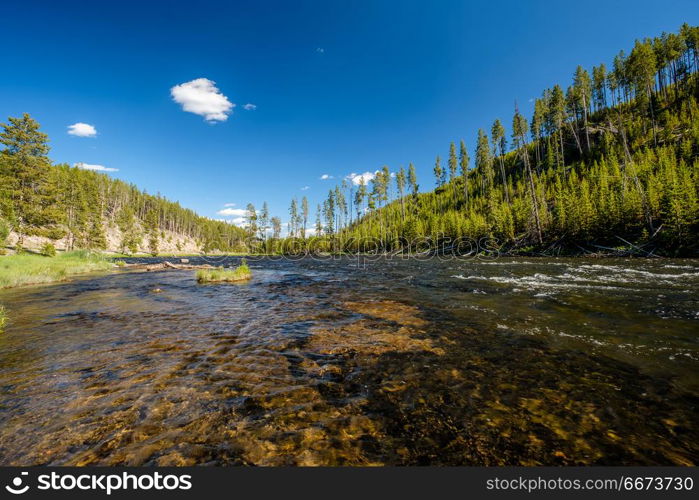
(79,209)
(611,161)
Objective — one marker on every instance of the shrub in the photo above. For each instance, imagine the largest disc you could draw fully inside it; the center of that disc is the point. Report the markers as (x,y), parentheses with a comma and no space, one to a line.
(3,318)
(48,250)
(4,232)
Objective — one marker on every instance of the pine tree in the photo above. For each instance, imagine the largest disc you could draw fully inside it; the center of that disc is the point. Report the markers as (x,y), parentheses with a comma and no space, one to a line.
(153,231)
(463,165)
(251,219)
(412,179)
(400,186)
(438,172)
(484,161)
(263,221)
(304,216)
(276,227)
(582,89)
(24,172)
(519,137)
(497,134)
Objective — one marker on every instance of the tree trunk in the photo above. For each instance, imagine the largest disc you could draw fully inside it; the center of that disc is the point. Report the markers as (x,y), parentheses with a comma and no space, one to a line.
(532,191)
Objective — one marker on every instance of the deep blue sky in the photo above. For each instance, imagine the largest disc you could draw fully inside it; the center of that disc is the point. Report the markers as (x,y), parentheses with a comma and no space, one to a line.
(395,82)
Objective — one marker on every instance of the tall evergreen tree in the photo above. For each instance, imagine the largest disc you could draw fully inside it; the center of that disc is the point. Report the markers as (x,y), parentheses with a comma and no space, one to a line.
(463,165)
(497,134)
(24,171)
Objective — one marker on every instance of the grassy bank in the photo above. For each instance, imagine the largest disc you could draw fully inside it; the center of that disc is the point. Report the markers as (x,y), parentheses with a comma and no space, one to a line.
(25,269)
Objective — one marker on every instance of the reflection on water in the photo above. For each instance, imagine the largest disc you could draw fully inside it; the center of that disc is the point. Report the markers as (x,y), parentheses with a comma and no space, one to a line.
(514,361)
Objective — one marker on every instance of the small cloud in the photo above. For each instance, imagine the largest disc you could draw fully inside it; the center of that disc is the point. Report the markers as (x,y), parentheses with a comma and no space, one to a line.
(531,99)
(202,97)
(239,221)
(250,107)
(98,168)
(357,178)
(229,204)
(237,212)
(325,177)
(320,50)
(305,188)
(82,130)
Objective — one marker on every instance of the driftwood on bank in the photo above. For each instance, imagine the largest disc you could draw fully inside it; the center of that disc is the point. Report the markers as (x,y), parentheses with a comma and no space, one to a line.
(161,266)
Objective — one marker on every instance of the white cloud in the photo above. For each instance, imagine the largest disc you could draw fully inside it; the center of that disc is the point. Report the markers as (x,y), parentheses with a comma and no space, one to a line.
(305,188)
(229,204)
(320,50)
(325,177)
(357,178)
(250,107)
(82,130)
(239,221)
(202,97)
(98,168)
(230,212)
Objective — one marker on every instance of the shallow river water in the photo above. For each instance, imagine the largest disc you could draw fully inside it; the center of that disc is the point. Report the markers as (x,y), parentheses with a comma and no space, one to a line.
(511,361)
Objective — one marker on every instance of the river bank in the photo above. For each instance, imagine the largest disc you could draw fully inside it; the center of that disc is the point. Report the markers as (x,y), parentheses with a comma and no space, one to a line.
(32,269)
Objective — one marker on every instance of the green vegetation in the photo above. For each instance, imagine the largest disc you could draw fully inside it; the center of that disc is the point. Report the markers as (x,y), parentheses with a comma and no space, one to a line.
(59,201)
(240,273)
(4,233)
(24,269)
(3,318)
(48,250)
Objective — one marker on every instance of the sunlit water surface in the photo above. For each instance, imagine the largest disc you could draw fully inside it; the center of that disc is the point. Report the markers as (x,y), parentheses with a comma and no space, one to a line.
(511,361)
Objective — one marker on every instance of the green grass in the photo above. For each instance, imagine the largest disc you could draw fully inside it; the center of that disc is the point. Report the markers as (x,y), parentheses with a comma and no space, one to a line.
(3,317)
(25,269)
(240,273)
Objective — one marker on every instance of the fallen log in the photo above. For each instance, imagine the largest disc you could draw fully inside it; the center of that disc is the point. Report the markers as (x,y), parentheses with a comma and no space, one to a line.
(161,266)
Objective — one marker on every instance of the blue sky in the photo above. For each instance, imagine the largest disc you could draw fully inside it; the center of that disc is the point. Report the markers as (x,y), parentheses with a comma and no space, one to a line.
(339,87)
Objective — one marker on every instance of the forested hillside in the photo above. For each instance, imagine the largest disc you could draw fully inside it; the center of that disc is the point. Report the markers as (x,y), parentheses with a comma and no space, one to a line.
(609,161)
(79,209)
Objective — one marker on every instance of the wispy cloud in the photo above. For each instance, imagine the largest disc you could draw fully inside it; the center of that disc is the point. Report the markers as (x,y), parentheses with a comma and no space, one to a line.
(320,50)
(202,97)
(82,130)
(98,168)
(230,212)
(325,177)
(305,188)
(229,204)
(357,178)
(250,107)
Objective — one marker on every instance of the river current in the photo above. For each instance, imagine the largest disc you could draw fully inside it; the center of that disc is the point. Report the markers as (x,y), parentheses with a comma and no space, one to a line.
(521,361)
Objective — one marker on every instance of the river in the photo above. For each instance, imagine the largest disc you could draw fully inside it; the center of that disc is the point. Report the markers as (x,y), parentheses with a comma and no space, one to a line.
(521,361)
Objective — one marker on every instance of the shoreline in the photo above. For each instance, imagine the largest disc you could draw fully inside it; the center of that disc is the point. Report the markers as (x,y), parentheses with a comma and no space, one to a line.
(35,269)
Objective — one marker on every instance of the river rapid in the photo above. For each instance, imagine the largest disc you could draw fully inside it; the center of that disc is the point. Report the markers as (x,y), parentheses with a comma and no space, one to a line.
(512,361)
